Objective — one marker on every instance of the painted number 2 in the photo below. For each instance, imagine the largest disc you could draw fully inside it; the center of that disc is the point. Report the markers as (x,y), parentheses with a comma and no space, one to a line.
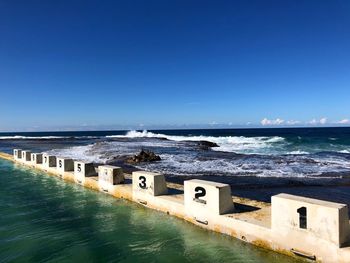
(142,183)
(199,192)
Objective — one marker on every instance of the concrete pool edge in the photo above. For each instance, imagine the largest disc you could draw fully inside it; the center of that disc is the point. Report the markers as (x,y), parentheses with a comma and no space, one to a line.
(249,226)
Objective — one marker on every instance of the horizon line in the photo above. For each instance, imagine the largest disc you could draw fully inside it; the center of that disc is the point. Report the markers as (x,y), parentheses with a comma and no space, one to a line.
(165,129)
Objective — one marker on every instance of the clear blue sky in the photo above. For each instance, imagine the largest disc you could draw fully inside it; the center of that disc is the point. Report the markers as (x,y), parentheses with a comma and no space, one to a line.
(105,64)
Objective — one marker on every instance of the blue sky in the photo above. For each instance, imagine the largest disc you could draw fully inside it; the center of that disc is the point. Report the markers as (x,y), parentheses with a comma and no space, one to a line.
(114,64)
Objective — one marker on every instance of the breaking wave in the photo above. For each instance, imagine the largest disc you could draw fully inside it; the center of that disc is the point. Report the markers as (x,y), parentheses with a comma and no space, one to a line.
(239,144)
(181,159)
(261,155)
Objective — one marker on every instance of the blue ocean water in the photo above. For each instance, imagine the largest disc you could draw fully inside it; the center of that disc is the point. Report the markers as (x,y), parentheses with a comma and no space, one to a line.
(255,162)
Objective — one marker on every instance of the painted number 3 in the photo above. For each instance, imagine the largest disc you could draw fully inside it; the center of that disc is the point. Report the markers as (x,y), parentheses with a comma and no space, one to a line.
(142,183)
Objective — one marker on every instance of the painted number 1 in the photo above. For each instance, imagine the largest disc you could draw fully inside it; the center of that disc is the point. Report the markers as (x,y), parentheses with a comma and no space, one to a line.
(142,183)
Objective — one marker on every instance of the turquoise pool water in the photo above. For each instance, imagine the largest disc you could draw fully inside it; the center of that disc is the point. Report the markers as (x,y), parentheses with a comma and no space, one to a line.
(44,219)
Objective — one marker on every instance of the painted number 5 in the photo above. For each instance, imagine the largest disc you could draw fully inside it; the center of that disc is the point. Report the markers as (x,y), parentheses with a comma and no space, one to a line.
(142,183)
(79,168)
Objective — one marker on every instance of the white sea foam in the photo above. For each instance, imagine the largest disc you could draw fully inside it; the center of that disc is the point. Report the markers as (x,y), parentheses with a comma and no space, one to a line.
(181,159)
(298,152)
(189,165)
(82,153)
(226,143)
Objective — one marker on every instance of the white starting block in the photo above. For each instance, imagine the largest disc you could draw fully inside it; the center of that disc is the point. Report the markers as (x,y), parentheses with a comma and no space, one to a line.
(49,160)
(82,170)
(37,158)
(148,184)
(17,154)
(109,175)
(204,199)
(299,218)
(26,156)
(64,164)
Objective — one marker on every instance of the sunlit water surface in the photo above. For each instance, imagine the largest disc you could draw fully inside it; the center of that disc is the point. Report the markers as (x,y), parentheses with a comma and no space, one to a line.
(44,219)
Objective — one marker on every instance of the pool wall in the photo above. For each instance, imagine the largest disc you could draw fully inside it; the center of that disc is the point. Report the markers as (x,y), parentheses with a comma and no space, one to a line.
(293,225)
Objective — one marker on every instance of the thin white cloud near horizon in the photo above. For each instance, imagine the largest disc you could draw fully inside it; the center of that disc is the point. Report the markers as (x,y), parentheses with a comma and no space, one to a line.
(313,122)
(266,122)
(293,122)
(317,122)
(344,121)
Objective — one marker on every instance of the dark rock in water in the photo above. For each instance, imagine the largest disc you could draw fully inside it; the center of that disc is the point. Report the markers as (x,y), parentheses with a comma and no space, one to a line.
(143,156)
(206,145)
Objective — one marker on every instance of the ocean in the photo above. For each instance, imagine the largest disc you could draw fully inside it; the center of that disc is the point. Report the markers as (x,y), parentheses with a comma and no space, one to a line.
(44,219)
(257,163)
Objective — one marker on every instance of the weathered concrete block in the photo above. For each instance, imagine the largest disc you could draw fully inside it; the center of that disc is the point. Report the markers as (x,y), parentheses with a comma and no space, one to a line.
(111,175)
(297,218)
(17,154)
(147,183)
(204,199)
(65,164)
(82,170)
(49,160)
(37,158)
(26,156)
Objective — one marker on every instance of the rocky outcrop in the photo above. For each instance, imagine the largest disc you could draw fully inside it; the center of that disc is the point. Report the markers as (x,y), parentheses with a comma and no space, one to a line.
(143,156)
(206,145)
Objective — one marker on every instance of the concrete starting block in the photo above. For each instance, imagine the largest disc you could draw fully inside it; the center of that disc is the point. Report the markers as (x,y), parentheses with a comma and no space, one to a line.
(109,175)
(17,154)
(204,199)
(298,218)
(82,170)
(148,184)
(49,160)
(26,156)
(65,164)
(37,158)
